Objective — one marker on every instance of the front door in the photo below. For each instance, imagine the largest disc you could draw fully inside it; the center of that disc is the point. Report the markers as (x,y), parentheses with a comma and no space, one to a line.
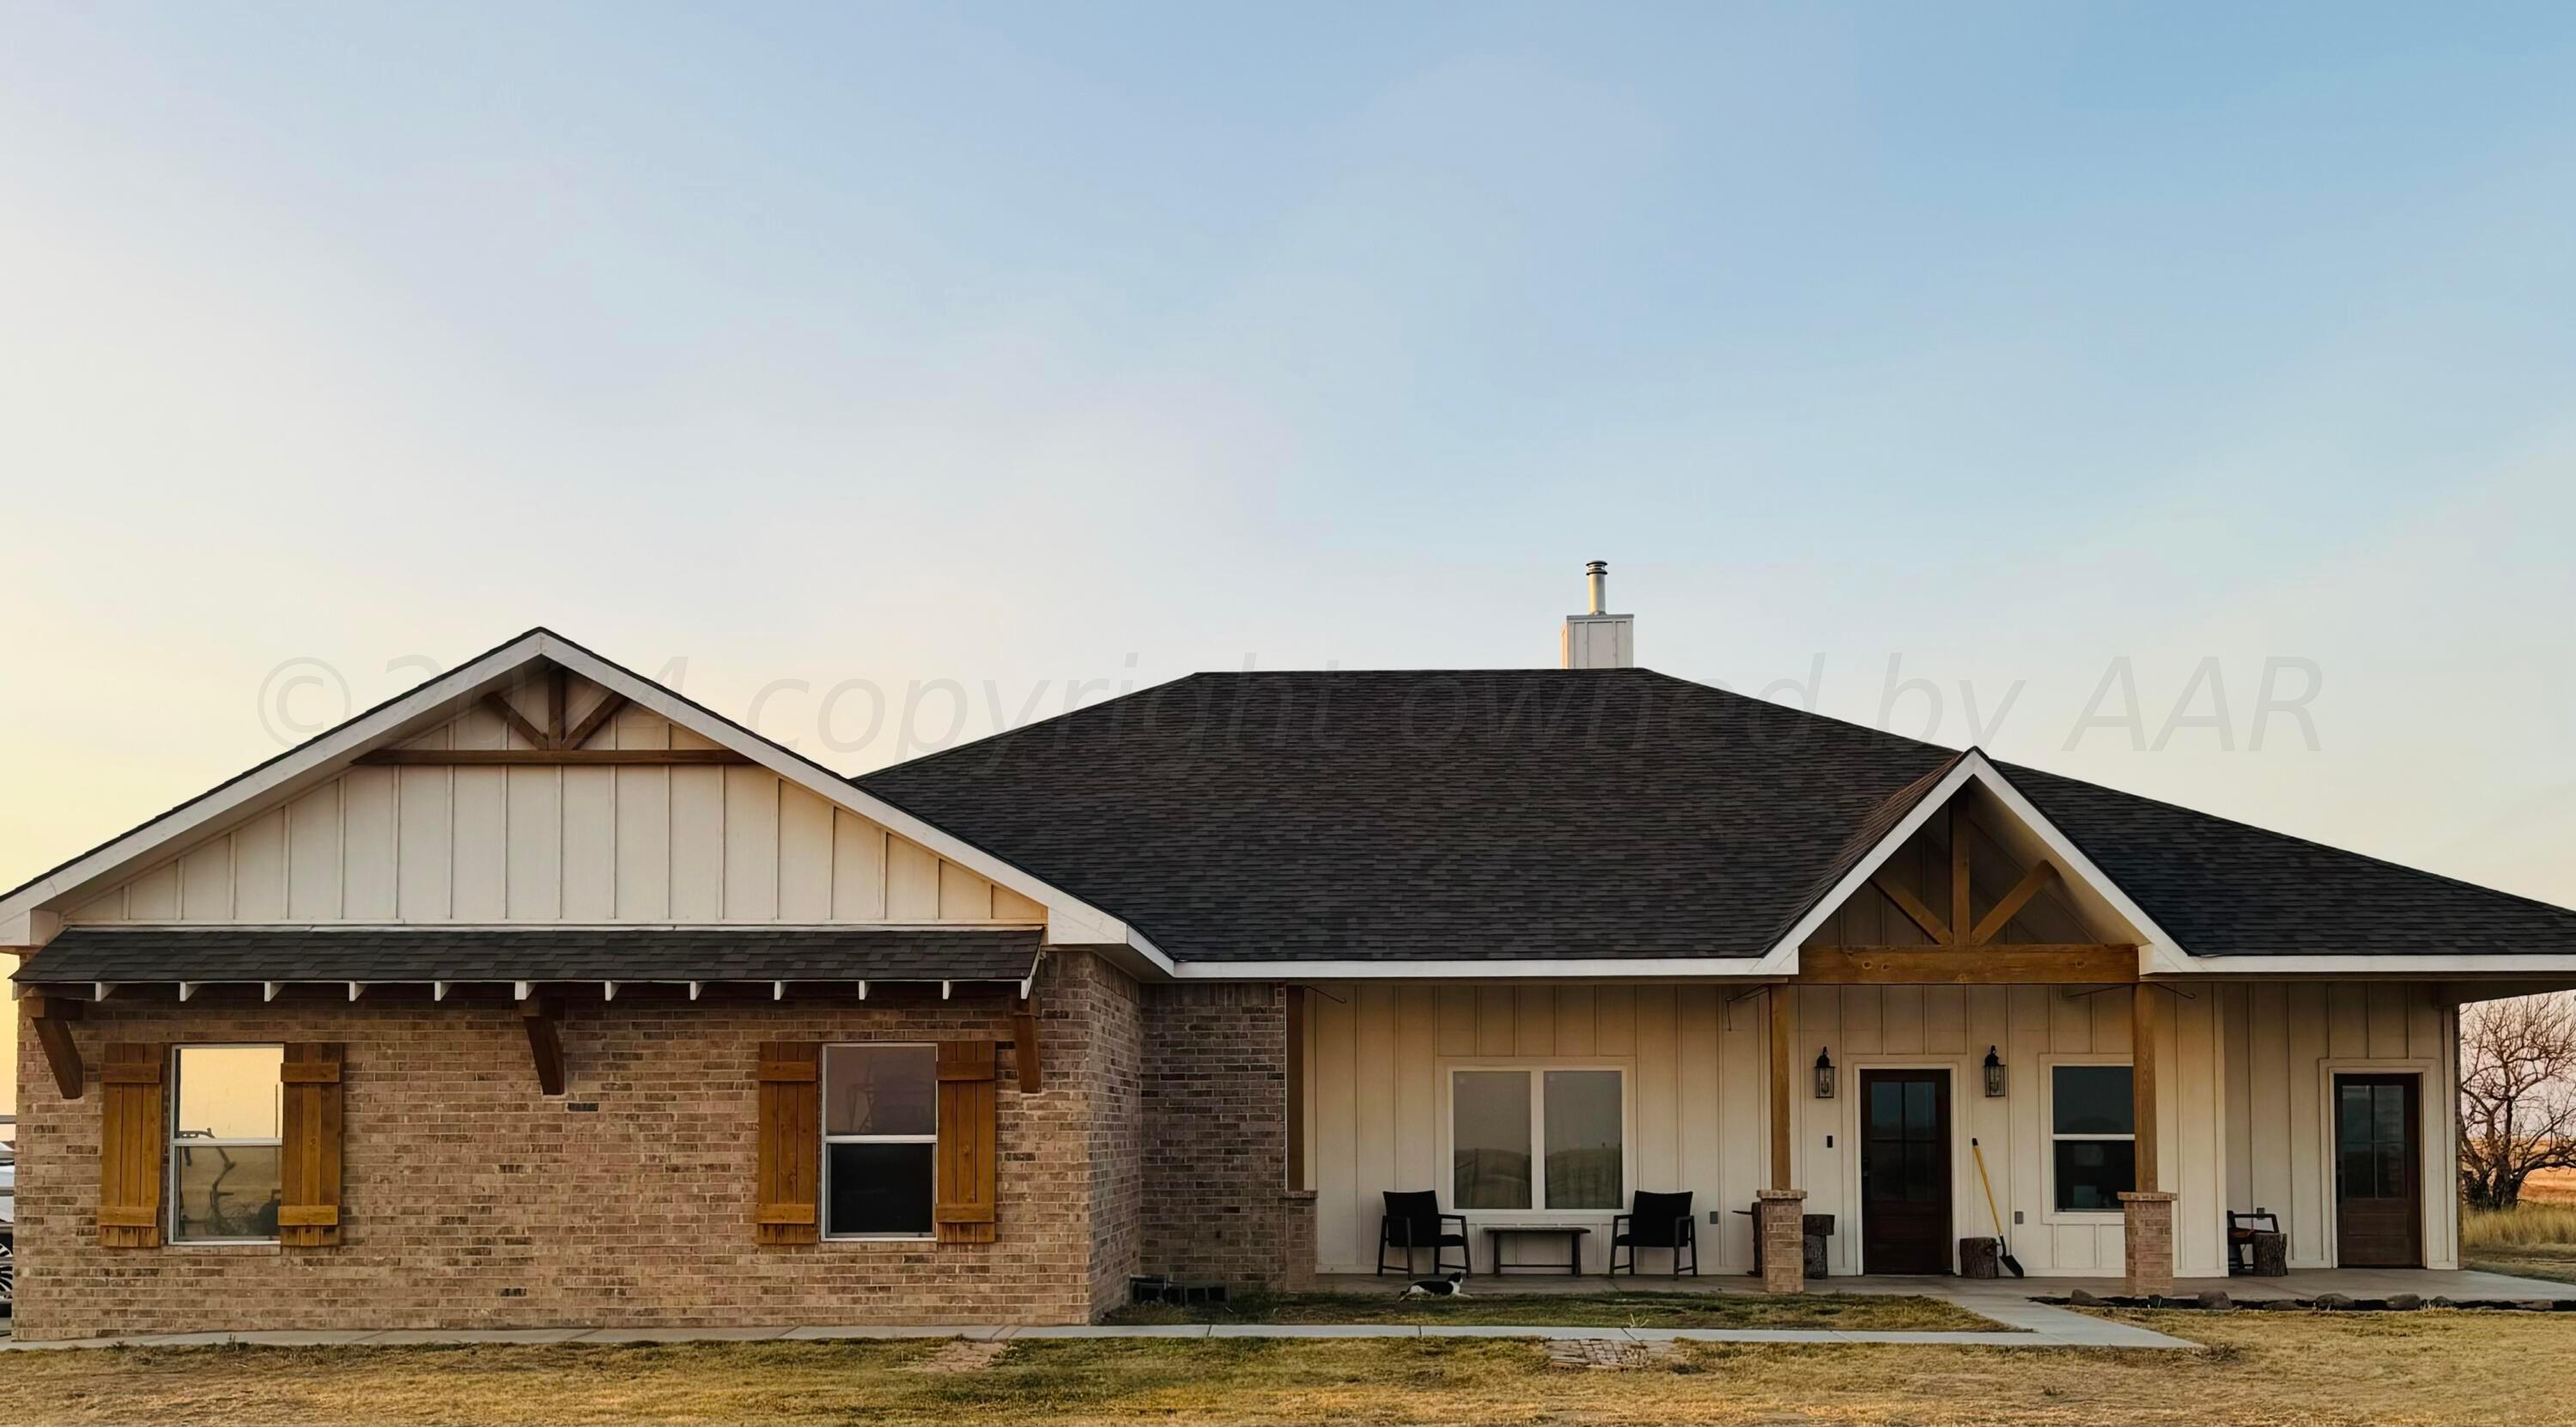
(1905,1171)
(2379,1212)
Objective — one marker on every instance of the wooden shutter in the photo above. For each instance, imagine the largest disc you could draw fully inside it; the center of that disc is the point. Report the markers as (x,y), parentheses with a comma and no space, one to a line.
(966,1152)
(132,1131)
(791,1143)
(309,1161)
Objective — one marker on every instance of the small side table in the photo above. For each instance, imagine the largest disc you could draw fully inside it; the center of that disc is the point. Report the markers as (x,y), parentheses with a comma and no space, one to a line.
(1573,1234)
(2271,1254)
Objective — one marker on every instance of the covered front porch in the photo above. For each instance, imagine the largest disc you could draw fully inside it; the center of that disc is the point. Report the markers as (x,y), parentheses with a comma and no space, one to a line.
(1894,1107)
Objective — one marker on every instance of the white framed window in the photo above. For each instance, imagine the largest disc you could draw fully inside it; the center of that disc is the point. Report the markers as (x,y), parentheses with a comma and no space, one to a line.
(227,1113)
(880,1140)
(1538,1138)
(2092,1136)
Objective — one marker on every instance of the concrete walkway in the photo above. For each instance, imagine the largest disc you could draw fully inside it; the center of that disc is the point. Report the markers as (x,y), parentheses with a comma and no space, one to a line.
(2019,1323)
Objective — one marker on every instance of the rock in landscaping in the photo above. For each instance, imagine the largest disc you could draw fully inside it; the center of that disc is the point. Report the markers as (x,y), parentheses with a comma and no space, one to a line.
(2405,1302)
(2537,1305)
(2216,1302)
(2081,1299)
(2330,1301)
(2440,1302)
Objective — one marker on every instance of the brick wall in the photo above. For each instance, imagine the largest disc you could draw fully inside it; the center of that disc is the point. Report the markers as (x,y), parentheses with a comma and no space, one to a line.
(1216,1204)
(470,1200)
(1116,1077)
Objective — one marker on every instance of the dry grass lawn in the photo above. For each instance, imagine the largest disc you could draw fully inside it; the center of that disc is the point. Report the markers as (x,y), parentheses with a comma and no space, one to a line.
(2536,1239)
(1859,1311)
(2269,1368)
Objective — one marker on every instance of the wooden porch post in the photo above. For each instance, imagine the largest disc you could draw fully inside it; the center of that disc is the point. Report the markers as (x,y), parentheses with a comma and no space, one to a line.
(2147,1213)
(2144,1004)
(1779,1224)
(1784,1035)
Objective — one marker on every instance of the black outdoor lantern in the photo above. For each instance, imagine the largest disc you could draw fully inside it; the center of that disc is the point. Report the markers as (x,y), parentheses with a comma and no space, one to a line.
(1994,1075)
(1824,1075)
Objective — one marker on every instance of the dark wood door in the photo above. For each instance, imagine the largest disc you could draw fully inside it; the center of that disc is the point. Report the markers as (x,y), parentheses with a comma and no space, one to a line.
(2379,1194)
(1905,1171)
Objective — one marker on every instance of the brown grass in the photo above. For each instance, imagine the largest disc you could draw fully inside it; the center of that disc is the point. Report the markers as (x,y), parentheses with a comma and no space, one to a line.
(2264,1369)
(1860,1311)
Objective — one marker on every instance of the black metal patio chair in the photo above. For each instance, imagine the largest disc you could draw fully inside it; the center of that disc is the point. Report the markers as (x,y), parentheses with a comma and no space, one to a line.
(1655,1221)
(1414,1221)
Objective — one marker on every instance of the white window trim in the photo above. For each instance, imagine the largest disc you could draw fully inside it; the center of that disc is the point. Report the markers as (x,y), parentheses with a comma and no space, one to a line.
(171,1143)
(2049,1213)
(823,1174)
(1446,1147)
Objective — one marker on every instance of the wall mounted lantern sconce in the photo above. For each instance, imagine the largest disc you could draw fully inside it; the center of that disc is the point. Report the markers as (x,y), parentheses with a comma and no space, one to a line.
(1824,1075)
(1994,1075)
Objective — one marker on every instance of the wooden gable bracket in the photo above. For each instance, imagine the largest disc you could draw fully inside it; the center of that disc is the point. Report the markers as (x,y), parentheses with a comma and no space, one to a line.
(554,745)
(1943,963)
(542,1016)
(53,1016)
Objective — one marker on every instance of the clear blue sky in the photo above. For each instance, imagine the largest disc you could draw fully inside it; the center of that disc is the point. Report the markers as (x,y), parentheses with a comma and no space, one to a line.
(1037,344)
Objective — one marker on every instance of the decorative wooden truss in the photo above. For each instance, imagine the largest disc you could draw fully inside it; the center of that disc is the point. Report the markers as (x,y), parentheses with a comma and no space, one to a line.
(1965,952)
(556,745)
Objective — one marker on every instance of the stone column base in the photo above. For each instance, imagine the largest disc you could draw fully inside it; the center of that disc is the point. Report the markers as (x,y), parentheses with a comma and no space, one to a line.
(2149,1223)
(1780,1230)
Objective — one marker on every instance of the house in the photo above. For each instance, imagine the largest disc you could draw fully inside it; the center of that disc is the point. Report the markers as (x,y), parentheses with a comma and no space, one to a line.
(541,995)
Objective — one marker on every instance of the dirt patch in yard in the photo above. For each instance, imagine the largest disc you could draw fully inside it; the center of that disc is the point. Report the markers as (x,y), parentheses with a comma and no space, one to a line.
(2281,1371)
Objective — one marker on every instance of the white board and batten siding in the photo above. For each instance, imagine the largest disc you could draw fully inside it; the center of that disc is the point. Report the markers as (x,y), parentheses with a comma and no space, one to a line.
(482,845)
(2284,1043)
(2243,1102)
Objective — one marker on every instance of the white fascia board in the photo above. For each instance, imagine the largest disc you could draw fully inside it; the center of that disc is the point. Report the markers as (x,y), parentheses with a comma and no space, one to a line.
(1081,922)
(1642,968)
(2158,951)
(2409,964)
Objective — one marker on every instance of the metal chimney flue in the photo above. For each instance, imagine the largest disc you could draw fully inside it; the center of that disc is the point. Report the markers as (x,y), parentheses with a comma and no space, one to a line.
(1598,639)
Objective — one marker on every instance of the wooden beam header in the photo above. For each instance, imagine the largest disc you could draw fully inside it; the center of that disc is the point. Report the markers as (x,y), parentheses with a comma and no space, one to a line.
(1991,965)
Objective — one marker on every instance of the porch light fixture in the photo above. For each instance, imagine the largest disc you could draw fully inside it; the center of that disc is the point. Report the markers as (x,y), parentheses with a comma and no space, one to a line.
(1824,1075)
(1994,1075)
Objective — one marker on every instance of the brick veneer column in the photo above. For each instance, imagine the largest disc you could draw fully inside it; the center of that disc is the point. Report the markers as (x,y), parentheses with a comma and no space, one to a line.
(1782,1224)
(1297,1240)
(2149,1222)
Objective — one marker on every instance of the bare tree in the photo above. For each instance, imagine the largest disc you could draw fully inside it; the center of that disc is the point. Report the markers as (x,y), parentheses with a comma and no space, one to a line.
(2517,1095)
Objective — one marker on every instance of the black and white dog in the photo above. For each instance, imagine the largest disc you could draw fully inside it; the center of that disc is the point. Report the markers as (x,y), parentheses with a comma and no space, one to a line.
(1454,1286)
